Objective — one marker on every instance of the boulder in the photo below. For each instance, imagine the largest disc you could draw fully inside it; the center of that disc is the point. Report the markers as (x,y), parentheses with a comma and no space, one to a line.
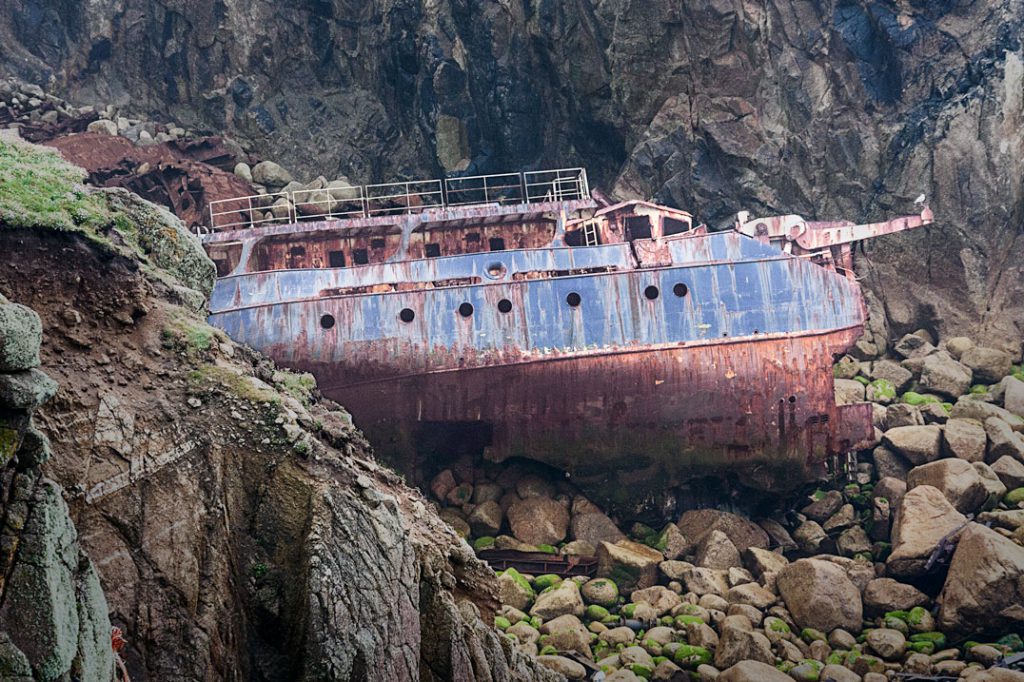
(270,175)
(809,535)
(485,519)
(736,644)
(1003,440)
(600,591)
(887,643)
(761,561)
(984,589)
(844,518)
(715,550)
(659,598)
(913,346)
(1013,395)
(672,543)
(514,590)
(751,594)
(902,414)
(702,581)
(965,439)
(944,376)
(631,565)
(853,541)
(567,633)
(442,484)
(822,509)
(994,488)
(26,390)
(892,489)
(889,463)
(848,391)
(616,636)
(753,671)
(559,600)
(971,407)
(923,518)
(838,673)
(21,333)
(819,595)
(885,594)
(566,667)
(899,377)
(102,127)
(595,527)
(244,171)
(697,523)
(539,521)
(846,368)
(958,345)
(956,478)
(532,485)
(919,444)
(988,364)
(777,533)
(1010,471)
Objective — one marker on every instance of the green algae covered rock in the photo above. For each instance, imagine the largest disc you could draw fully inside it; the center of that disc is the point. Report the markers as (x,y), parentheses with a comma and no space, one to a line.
(689,656)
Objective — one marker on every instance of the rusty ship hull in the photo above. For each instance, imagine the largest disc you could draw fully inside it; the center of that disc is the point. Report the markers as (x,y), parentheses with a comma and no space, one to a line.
(625,345)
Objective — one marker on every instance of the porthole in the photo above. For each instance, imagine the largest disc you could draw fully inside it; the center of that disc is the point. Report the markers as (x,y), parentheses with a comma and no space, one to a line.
(327,321)
(573,299)
(792,398)
(407,315)
(651,292)
(680,290)
(466,309)
(496,270)
(505,305)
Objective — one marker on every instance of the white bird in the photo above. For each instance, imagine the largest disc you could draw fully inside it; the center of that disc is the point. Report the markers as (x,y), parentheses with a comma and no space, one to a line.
(920,200)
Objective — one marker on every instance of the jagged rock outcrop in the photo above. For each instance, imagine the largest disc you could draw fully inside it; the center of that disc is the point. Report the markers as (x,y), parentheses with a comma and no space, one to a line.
(239,526)
(53,615)
(825,108)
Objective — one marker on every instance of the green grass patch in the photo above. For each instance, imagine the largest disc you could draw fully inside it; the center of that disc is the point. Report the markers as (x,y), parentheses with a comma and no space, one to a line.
(239,384)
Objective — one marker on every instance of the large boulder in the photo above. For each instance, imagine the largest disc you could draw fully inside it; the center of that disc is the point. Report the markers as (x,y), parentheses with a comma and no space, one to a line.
(659,598)
(848,391)
(270,175)
(919,444)
(820,595)
(1013,395)
(1010,471)
(889,463)
(753,671)
(539,521)
(988,364)
(964,438)
(1003,440)
(898,376)
(567,633)
(944,376)
(562,599)
(715,550)
(514,590)
(885,594)
(736,644)
(594,526)
(697,523)
(566,667)
(923,518)
(21,333)
(631,565)
(984,589)
(485,519)
(958,480)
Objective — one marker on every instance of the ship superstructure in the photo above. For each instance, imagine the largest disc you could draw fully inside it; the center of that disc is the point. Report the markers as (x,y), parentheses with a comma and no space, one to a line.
(614,341)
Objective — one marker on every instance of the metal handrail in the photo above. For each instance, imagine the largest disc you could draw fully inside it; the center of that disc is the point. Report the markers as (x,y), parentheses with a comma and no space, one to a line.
(398,198)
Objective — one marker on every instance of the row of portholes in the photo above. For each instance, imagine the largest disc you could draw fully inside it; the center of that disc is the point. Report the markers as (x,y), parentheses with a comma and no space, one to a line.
(573,300)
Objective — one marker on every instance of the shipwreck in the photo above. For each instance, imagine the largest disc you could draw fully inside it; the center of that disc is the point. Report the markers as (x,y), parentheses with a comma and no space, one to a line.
(619,342)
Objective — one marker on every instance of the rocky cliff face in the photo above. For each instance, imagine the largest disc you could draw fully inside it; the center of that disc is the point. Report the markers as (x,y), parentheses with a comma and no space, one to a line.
(238,526)
(829,108)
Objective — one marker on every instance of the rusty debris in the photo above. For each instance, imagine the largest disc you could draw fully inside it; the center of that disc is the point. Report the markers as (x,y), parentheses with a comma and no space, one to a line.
(539,563)
(602,338)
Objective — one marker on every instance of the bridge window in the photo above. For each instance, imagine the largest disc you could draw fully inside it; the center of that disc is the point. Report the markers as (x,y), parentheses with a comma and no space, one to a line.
(376,243)
(496,244)
(639,227)
(432,250)
(673,226)
(336,259)
(297,256)
(360,257)
(473,237)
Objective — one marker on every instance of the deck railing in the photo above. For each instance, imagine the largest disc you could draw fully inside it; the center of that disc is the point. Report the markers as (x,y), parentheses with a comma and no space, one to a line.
(399,198)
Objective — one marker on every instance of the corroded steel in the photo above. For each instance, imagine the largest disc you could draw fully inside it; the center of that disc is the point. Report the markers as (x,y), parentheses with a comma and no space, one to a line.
(661,352)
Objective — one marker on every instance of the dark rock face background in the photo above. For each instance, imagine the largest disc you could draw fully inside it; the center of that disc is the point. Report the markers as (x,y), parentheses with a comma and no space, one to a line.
(840,108)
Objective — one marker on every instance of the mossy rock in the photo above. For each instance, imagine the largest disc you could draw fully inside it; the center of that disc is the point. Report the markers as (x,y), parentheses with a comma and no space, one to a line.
(978,389)
(1014,497)
(1012,642)
(918,399)
(628,610)
(883,389)
(641,670)
(836,657)
(486,542)
(807,670)
(922,647)
(502,623)
(549,650)
(681,621)
(689,656)
(543,582)
(610,618)
(902,615)
(598,613)
(810,635)
(863,380)
(917,614)
(936,638)
(776,625)
(898,624)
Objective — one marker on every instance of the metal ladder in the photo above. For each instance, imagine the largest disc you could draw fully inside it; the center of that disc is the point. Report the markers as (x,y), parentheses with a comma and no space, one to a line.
(590,234)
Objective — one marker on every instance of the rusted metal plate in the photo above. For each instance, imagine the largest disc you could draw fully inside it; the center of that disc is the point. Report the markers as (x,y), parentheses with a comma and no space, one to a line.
(538,563)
